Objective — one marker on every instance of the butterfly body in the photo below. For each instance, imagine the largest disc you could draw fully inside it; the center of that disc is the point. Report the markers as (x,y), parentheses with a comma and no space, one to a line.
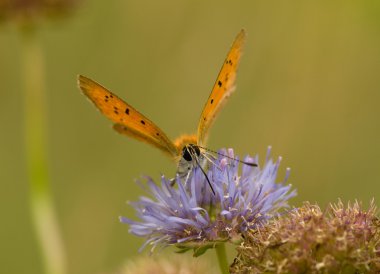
(186,150)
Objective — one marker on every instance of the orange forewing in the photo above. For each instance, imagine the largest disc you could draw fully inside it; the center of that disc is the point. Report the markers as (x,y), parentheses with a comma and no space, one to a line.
(223,87)
(127,119)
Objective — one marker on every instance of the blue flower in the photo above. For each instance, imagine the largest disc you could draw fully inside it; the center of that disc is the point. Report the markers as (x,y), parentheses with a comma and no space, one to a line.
(191,216)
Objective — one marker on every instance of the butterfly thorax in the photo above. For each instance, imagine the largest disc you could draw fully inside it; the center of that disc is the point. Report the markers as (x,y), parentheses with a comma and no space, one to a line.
(184,140)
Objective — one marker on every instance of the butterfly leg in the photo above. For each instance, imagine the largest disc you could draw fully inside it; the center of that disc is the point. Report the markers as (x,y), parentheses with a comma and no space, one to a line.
(184,177)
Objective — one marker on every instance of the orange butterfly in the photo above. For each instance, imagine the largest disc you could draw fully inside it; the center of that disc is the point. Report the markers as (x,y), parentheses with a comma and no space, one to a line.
(187,150)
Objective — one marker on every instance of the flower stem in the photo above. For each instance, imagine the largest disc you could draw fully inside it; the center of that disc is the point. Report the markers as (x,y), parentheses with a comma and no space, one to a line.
(35,134)
(222,258)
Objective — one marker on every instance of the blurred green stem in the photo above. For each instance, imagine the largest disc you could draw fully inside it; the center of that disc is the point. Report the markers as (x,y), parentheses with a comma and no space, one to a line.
(222,258)
(42,211)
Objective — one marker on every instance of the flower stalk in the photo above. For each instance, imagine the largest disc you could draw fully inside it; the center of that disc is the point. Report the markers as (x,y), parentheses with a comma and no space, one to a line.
(35,134)
(222,258)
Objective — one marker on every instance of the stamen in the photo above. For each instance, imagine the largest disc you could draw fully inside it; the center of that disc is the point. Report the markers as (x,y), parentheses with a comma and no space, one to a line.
(221,154)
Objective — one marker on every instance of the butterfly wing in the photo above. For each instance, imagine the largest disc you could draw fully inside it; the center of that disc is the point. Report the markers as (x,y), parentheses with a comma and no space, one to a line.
(128,120)
(223,87)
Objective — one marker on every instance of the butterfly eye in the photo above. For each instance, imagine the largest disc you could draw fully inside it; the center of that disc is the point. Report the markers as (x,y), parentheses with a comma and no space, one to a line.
(190,150)
(196,150)
(186,154)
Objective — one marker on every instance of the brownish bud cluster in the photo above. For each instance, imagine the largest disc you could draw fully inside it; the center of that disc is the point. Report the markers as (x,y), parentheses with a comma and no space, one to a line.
(341,239)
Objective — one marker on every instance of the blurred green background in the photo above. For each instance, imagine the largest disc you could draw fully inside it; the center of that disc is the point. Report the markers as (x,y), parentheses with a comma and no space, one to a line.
(308,85)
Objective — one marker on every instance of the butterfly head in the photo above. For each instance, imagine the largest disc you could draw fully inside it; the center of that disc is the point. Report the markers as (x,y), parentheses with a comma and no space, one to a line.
(190,157)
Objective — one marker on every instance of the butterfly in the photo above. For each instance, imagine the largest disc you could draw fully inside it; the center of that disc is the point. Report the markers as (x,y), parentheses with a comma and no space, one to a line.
(188,151)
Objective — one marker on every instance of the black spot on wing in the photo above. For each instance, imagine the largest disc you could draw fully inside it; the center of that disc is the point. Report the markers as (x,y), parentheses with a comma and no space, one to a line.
(142,122)
(219,83)
(212,101)
(127,111)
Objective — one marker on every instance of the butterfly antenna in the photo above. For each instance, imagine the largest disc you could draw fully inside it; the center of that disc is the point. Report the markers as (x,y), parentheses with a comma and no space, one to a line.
(208,180)
(211,158)
(224,155)
(204,172)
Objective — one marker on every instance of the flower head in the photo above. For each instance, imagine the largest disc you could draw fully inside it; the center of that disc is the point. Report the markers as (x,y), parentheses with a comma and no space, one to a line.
(341,239)
(191,216)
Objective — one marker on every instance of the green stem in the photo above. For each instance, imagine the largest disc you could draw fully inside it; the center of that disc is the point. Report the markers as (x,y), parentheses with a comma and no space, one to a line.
(42,210)
(222,258)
